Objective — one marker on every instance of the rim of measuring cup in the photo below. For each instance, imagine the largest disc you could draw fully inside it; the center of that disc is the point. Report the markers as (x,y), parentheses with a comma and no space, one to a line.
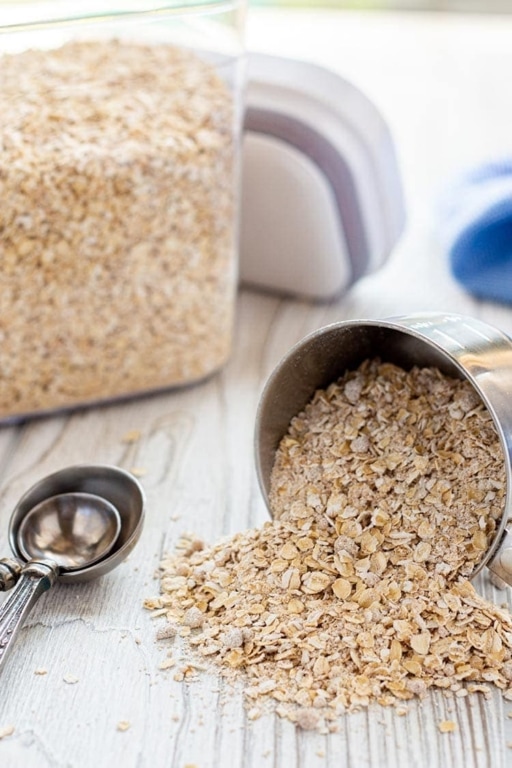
(457,344)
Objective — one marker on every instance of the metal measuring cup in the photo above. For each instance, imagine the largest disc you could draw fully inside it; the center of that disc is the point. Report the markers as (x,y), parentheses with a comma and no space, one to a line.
(457,345)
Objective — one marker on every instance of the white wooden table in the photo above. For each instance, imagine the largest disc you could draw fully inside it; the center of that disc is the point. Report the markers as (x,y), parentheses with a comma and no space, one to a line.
(443,84)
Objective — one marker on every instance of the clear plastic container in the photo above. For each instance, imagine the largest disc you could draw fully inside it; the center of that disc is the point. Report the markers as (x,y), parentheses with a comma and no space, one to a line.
(120,145)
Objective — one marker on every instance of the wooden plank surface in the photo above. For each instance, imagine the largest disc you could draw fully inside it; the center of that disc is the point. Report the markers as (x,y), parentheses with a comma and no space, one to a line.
(441,84)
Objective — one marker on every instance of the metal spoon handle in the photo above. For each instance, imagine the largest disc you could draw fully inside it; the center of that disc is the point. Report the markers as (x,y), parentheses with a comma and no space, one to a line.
(10,571)
(36,577)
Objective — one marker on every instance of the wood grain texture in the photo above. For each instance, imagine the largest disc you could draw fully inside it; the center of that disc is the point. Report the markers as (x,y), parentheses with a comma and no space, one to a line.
(438,83)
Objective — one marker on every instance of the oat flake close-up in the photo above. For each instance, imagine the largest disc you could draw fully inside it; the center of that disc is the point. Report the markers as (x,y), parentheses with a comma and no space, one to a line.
(117,224)
(385,493)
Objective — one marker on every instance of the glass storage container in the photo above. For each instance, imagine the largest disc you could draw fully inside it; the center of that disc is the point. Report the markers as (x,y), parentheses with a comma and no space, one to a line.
(120,144)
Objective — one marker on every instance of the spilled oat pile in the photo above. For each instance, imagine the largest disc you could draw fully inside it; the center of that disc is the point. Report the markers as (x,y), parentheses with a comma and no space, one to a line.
(385,492)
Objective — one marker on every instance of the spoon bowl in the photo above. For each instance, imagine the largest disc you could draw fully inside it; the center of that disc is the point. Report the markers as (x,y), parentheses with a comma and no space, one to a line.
(111,484)
(75,530)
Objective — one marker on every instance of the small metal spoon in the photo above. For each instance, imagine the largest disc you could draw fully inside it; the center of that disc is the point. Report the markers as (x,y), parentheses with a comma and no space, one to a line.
(73,529)
(76,524)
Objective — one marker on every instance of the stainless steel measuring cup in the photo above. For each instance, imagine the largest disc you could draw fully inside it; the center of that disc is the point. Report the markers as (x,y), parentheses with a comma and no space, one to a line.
(457,345)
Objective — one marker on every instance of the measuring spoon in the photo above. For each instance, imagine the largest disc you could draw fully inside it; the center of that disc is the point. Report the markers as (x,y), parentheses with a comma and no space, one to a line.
(74,530)
(74,525)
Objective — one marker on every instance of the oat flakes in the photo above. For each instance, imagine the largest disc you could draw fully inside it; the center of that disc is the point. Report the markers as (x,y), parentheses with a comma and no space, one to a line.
(117,268)
(385,492)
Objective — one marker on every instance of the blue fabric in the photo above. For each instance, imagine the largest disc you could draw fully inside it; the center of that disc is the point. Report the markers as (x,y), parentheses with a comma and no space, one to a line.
(477,228)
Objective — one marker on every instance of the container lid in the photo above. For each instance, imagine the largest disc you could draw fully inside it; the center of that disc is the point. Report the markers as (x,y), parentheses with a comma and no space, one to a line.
(41,12)
(322,197)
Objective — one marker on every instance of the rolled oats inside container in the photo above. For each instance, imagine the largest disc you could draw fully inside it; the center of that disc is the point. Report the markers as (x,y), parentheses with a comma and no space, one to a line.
(119,138)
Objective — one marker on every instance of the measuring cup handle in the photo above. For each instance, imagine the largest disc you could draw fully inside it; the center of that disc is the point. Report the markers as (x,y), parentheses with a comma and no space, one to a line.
(36,577)
(501,563)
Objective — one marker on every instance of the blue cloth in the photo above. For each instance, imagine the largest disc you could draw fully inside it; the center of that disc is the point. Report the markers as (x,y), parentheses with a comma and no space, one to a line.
(477,228)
